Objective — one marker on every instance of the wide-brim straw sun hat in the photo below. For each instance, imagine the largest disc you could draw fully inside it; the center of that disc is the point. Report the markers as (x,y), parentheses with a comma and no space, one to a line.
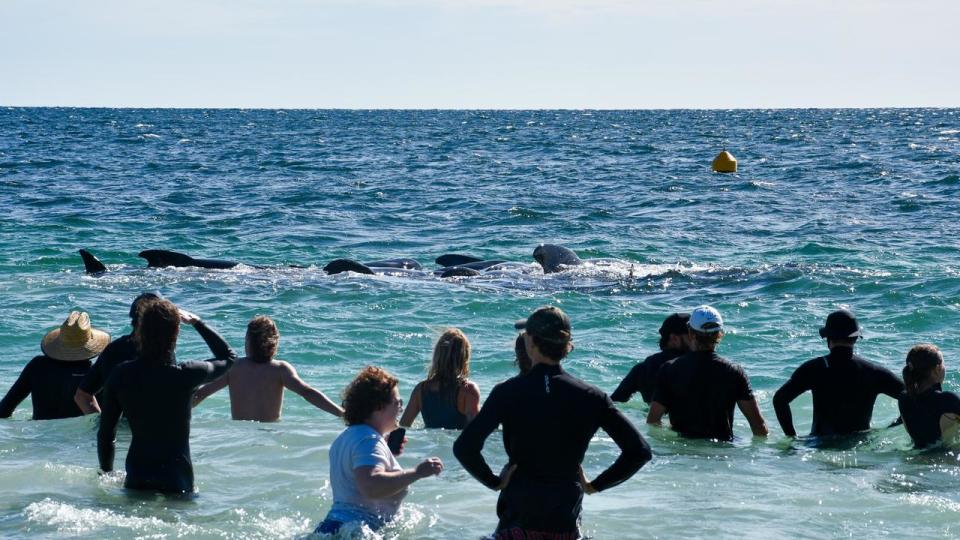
(75,340)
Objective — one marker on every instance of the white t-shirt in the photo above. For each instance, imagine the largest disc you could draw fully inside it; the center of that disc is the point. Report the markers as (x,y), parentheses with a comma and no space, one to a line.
(360,446)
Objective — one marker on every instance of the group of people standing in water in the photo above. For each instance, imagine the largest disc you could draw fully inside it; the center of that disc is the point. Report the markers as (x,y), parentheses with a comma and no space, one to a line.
(548,417)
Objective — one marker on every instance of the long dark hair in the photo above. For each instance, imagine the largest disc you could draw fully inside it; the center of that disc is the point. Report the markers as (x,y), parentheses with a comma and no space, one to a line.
(922,360)
(157,330)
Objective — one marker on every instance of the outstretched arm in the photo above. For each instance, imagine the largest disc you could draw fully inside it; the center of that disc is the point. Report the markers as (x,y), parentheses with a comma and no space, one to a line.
(209,389)
(751,410)
(317,398)
(204,372)
(376,483)
(412,409)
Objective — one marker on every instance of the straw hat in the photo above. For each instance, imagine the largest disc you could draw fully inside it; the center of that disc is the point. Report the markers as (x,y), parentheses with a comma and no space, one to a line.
(75,339)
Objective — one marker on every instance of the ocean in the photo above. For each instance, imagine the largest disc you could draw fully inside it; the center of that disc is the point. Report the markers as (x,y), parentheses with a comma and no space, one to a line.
(830,208)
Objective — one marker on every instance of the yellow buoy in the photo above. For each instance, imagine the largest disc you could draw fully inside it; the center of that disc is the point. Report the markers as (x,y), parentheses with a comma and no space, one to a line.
(725,162)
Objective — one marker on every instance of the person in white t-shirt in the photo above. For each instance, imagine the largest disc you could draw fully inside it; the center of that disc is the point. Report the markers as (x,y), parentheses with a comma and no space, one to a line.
(368,481)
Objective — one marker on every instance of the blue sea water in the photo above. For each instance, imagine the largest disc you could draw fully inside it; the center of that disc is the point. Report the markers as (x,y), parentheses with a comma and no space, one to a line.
(830,208)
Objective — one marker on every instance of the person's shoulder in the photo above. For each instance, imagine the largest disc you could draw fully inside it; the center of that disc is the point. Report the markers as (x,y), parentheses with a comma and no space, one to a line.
(470,387)
(950,398)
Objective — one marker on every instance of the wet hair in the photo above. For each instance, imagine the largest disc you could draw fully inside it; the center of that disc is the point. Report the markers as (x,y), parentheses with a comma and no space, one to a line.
(706,341)
(138,303)
(555,350)
(366,394)
(262,339)
(157,330)
(451,358)
(922,360)
(522,360)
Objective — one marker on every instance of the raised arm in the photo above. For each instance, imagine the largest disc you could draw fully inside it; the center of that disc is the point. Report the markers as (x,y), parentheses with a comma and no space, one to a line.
(751,410)
(412,409)
(107,433)
(317,398)
(17,393)
(634,451)
(209,389)
(223,355)
(469,444)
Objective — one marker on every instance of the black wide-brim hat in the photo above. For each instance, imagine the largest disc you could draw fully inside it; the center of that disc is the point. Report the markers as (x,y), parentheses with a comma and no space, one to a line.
(841,324)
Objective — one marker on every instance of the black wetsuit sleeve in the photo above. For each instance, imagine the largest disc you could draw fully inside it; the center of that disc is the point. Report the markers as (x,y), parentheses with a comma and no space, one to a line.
(798,383)
(634,451)
(107,433)
(93,381)
(629,385)
(17,393)
(888,383)
(222,361)
(469,444)
(951,403)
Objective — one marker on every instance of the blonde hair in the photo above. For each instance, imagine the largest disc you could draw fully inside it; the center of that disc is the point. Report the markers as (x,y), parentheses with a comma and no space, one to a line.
(451,358)
(263,338)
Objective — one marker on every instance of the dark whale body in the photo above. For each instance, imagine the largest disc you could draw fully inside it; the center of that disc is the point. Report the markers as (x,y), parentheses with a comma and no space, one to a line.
(339,266)
(161,258)
(553,257)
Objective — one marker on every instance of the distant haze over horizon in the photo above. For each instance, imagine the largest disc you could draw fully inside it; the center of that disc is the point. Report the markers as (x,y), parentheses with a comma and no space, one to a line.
(480,54)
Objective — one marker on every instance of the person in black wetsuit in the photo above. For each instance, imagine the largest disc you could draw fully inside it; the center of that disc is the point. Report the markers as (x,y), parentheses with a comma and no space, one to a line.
(844,385)
(548,419)
(52,378)
(643,377)
(927,411)
(118,351)
(154,392)
(699,389)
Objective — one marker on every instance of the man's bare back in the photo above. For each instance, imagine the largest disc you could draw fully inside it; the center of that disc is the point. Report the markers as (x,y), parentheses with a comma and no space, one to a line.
(256,390)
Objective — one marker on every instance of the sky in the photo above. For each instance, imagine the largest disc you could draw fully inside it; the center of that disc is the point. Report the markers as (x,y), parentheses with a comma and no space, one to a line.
(468,54)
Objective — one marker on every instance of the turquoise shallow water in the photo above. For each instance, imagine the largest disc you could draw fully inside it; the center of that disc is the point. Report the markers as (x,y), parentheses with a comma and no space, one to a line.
(830,208)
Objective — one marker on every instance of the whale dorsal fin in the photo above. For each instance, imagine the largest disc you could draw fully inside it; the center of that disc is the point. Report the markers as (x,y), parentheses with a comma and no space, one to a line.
(92,264)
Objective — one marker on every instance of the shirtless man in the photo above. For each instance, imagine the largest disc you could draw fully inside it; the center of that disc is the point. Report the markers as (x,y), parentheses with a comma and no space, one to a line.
(257,381)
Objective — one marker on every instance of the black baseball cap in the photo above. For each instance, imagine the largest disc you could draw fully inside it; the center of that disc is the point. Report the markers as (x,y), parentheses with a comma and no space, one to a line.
(675,324)
(548,323)
(840,324)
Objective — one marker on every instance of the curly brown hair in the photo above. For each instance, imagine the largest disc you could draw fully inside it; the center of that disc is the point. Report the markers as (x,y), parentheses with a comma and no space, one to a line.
(366,394)
(262,339)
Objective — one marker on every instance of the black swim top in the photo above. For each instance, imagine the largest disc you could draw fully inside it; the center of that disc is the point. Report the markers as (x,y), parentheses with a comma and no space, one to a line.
(699,391)
(548,419)
(50,384)
(844,387)
(643,377)
(439,406)
(156,399)
(922,413)
(117,352)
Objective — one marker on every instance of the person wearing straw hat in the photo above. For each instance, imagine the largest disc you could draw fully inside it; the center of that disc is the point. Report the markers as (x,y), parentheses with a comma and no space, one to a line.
(844,385)
(52,378)
(154,391)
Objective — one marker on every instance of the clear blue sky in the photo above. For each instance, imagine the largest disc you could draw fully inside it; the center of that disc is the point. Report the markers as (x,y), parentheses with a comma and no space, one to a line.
(480,53)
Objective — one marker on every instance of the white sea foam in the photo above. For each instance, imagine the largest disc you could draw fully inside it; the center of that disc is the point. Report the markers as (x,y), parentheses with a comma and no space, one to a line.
(71,519)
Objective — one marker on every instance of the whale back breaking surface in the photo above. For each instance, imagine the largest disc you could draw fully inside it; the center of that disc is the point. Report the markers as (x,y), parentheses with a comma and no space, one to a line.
(551,257)
(161,258)
(455,259)
(408,264)
(338,266)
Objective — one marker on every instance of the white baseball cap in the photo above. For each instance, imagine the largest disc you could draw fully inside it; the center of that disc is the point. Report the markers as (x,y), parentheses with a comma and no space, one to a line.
(706,319)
